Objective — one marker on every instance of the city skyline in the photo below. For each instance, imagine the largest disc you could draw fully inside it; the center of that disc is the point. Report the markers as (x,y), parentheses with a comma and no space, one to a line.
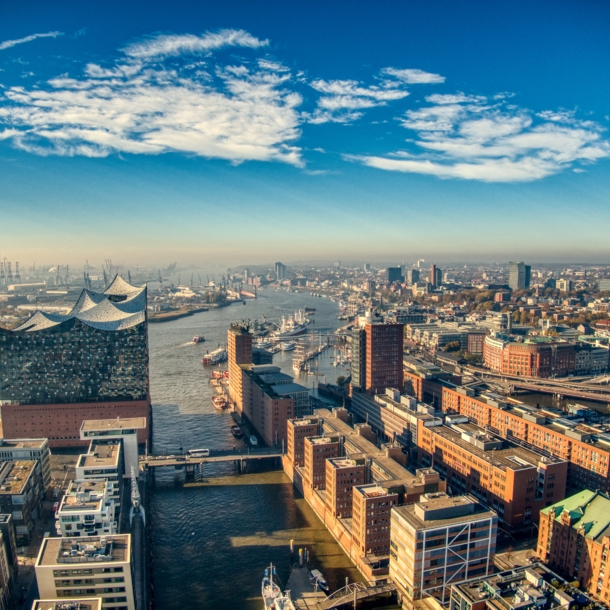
(233,134)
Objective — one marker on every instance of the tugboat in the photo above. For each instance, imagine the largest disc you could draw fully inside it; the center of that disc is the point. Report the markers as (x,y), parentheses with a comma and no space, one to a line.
(198,339)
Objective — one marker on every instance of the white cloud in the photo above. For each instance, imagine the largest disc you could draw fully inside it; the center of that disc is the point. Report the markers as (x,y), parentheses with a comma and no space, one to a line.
(7,44)
(172,44)
(414,76)
(236,113)
(342,99)
(464,137)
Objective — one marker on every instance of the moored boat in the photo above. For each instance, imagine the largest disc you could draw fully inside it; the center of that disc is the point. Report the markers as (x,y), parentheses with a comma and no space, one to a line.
(288,346)
(220,402)
(236,431)
(318,579)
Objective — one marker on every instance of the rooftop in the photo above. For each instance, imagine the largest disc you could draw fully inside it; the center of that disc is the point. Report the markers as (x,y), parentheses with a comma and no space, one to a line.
(22,443)
(119,307)
(14,476)
(345,462)
(372,491)
(100,454)
(93,603)
(129,423)
(60,551)
(321,440)
(304,422)
(587,509)
(284,389)
(87,495)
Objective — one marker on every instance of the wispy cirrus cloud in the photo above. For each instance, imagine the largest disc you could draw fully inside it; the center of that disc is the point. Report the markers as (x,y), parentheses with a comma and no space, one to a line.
(413,76)
(7,44)
(172,44)
(343,101)
(141,105)
(467,137)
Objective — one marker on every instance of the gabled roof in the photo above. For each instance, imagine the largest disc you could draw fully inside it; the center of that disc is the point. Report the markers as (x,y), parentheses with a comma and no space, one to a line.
(97,310)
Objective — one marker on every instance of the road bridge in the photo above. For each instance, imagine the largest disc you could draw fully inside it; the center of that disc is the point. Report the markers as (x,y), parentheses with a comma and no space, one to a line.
(216,456)
(355,592)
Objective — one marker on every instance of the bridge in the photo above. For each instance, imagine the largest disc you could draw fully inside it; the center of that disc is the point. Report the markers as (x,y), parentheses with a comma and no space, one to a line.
(216,456)
(355,591)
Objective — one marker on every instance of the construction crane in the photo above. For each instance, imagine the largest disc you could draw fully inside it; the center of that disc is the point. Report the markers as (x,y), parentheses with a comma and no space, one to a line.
(17,274)
(9,274)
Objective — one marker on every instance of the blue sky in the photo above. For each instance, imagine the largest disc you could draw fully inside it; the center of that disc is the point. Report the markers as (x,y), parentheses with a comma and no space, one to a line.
(233,132)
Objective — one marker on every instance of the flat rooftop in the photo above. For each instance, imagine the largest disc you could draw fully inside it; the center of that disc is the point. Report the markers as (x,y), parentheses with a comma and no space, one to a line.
(100,454)
(321,440)
(304,422)
(283,389)
(373,491)
(87,495)
(128,423)
(345,462)
(85,549)
(22,443)
(14,476)
(94,603)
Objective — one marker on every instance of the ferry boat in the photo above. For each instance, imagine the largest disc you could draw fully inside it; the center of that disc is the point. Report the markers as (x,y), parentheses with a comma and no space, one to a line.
(236,431)
(220,402)
(198,339)
(218,355)
(288,346)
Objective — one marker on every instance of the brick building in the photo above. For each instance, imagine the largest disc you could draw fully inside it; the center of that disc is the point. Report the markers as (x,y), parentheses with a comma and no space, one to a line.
(574,540)
(342,475)
(383,364)
(317,450)
(298,430)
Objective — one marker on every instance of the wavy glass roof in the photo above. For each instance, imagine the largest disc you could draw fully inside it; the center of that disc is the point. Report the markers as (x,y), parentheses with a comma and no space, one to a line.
(98,310)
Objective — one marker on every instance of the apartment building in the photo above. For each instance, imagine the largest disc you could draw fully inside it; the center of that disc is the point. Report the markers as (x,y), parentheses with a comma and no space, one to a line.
(297,431)
(86,510)
(86,568)
(372,506)
(574,540)
(342,475)
(17,449)
(317,450)
(21,492)
(516,482)
(586,448)
(9,542)
(103,462)
(438,542)
(6,580)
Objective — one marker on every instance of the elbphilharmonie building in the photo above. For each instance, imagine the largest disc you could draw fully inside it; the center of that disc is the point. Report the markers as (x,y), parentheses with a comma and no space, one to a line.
(92,363)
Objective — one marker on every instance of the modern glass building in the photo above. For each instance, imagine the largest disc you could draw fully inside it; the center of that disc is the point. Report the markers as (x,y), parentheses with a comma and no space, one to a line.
(98,353)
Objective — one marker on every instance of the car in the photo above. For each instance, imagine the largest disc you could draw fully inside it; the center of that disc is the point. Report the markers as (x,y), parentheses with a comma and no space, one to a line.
(55,507)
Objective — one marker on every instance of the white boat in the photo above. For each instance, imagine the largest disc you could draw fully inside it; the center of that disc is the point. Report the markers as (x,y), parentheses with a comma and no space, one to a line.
(273,598)
(318,579)
(253,440)
(288,346)
(292,326)
(218,355)
(262,344)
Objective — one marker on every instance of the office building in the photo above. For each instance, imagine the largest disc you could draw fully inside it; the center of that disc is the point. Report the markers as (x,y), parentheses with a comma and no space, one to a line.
(371,508)
(383,364)
(58,370)
(585,447)
(366,267)
(521,588)
(564,285)
(432,278)
(85,568)
(342,475)
(126,431)
(412,276)
(533,357)
(514,481)
(519,275)
(393,274)
(438,542)
(358,363)
(239,347)
(21,493)
(86,509)
(604,285)
(574,540)
(317,449)
(16,449)
(280,272)
(438,277)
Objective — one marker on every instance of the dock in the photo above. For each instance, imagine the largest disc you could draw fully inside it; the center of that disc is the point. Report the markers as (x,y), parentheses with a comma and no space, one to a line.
(303,595)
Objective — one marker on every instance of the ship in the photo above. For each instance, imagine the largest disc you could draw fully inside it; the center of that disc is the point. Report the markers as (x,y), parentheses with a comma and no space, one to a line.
(236,431)
(198,339)
(215,357)
(292,326)
(220,402)
(288,346)
(273,598)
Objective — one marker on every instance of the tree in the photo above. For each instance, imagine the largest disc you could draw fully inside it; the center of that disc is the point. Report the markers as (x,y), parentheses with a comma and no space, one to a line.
(453,346)
(341,380)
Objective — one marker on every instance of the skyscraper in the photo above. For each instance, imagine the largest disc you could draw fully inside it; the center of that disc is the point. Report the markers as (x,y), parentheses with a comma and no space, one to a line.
(58,370)
(280,272)
(393,274)
(384,351)
(438,277)
(519,275)
(358,365)
(433,274)
(412,276)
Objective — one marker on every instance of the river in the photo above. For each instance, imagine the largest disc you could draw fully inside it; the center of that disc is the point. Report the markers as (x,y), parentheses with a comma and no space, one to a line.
(212,538)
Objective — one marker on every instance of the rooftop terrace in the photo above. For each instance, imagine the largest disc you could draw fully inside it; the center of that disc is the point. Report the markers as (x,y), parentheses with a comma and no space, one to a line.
(14,476)
(59,551)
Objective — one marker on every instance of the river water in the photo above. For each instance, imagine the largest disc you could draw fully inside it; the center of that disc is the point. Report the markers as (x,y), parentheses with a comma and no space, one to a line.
(212,538)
